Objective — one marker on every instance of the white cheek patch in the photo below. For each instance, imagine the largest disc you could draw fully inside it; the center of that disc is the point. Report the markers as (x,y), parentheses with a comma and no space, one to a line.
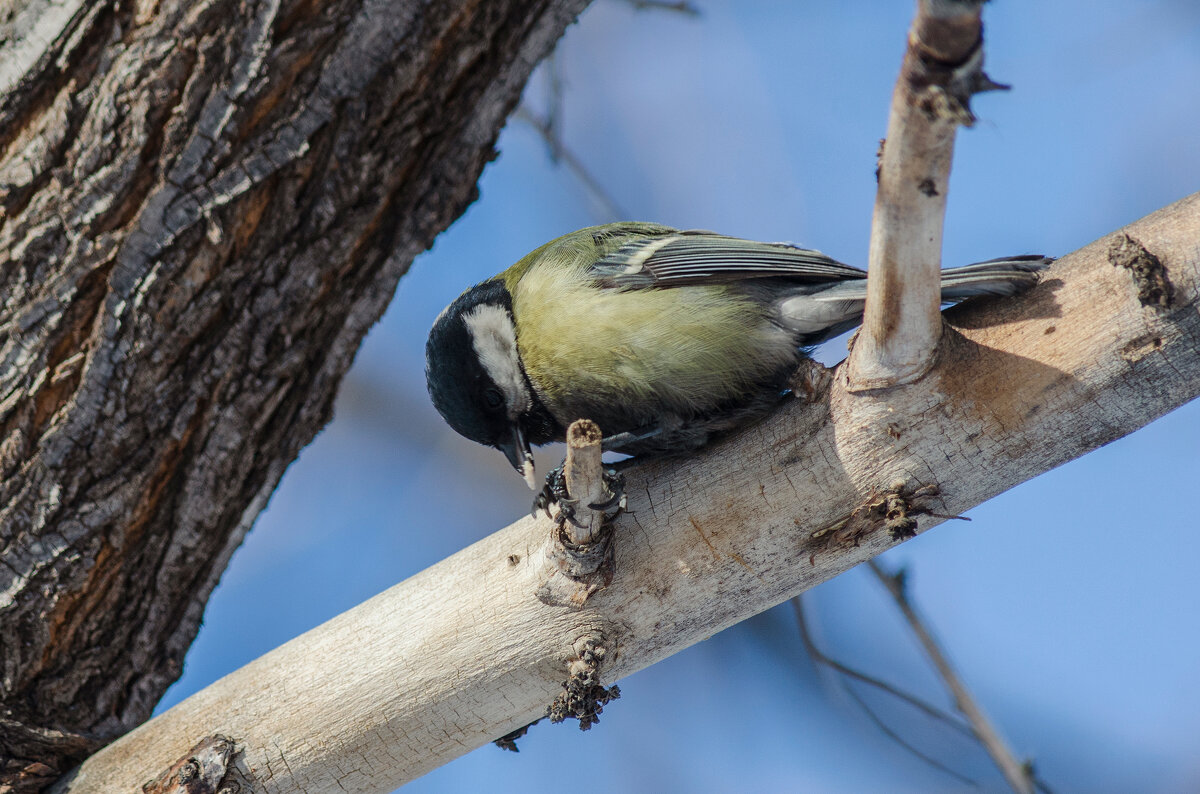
(495,341)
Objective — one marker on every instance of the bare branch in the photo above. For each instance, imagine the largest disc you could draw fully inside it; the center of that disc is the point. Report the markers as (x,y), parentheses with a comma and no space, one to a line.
(942,68)
(907,745)
(927,708)
(561,152)
(1018,774)
(678,6)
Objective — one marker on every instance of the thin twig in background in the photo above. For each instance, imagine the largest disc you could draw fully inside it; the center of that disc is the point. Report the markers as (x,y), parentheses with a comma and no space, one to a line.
(549,125)
(665,5)
(820,657)
(1019,774)
(900,740)
(554,108)
(573,163)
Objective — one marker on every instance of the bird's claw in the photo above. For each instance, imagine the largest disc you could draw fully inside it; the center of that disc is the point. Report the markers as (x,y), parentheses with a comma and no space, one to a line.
(616,486)
(567,513)
(554,492)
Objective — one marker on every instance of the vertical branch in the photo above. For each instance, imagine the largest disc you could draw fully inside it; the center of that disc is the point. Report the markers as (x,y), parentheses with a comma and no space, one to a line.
(578,557)
(584,474)
(942,68)
(1019,775)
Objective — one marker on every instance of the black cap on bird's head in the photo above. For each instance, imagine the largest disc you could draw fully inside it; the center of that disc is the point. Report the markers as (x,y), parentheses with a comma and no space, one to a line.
(475,377)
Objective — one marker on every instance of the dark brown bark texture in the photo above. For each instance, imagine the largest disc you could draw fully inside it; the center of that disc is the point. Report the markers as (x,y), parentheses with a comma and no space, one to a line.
(203,208)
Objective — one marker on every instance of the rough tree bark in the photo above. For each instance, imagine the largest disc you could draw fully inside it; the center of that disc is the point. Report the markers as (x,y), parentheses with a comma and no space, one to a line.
(203,208)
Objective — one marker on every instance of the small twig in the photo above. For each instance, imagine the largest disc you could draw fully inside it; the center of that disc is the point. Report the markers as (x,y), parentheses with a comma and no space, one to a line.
(900,740)
(579,554)
(680,7)
(942,68)
(1019,775)
(560,152)
(821,658)
(583,471)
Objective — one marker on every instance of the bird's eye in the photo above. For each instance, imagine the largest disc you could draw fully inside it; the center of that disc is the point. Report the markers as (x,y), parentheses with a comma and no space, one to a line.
(493,398)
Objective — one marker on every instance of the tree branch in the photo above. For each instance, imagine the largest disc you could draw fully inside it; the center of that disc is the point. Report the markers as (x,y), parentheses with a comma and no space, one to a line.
(463,652)
(942,68)
(820,657)
(1019,775)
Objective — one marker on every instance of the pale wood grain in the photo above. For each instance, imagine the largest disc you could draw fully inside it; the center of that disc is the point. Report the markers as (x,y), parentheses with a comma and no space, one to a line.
(942,67)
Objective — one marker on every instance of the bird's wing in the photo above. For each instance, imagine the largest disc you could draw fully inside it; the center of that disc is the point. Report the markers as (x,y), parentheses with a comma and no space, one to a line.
(696,257)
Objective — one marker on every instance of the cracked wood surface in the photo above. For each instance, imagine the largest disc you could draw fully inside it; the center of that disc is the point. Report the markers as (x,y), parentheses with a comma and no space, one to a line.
(464,652)
(203,208)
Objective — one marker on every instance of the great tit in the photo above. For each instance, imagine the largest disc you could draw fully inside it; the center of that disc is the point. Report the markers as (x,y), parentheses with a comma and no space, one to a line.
(662,337)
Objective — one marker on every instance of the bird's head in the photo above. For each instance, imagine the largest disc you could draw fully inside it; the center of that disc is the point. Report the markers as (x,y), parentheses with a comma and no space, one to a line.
(475,377)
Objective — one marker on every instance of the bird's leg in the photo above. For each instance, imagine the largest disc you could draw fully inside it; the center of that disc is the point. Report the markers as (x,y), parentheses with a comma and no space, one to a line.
(616,486)
(618,440)
(555,492)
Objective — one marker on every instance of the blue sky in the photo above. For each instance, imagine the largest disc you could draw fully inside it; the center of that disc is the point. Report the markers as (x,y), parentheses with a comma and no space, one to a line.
(1070,604)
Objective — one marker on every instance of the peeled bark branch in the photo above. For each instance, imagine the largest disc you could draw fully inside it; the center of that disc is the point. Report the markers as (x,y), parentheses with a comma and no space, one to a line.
(463,652)
(584,474)
(578,556)
(942,68)
(203,208)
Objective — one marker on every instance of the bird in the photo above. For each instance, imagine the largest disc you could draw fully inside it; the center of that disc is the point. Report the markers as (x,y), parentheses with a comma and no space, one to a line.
(665,338)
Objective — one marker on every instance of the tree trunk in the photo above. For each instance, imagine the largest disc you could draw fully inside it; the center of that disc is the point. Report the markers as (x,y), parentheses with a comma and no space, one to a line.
(203,208)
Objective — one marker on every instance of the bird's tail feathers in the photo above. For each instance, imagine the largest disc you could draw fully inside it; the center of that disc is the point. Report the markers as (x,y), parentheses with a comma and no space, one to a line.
(1004,276)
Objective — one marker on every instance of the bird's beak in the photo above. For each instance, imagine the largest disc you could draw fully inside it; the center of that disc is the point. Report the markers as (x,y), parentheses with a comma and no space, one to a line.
(516,449)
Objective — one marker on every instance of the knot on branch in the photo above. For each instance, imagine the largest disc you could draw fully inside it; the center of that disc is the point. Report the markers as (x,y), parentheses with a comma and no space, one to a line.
(895,510)
(940,104)
(900,525)
(205,769)
(1153,286)
(945,64)
(509,740)
(810,381)
(582,559)
(583,696)
(943,91)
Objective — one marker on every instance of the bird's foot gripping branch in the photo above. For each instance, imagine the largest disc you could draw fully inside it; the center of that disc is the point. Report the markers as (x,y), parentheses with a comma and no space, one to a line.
(578,554)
